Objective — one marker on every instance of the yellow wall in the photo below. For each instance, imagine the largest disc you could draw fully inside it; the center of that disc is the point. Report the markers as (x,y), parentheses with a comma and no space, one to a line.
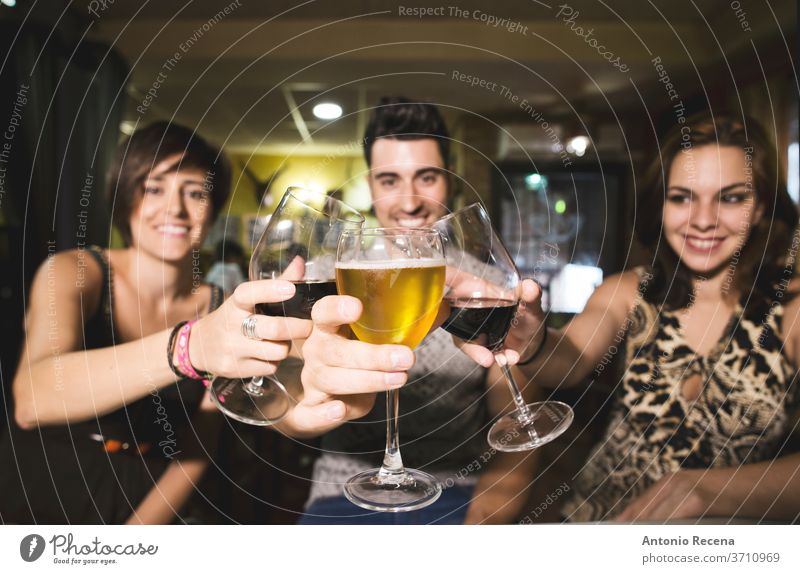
(314,172)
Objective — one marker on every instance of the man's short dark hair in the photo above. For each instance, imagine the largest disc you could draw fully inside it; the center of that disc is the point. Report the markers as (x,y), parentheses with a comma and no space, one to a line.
(149,146)
(401,118)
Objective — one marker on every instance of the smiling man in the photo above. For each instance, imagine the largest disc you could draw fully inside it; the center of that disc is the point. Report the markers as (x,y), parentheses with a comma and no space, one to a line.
(446,400)
(407,148)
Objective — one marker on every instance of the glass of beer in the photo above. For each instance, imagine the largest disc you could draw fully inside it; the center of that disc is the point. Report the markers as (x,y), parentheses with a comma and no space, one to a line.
(398,275)
(298,245)
(483,293)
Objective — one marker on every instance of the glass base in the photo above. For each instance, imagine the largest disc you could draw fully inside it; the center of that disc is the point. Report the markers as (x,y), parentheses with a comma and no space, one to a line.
(549,420)
(268,404)
(413,490)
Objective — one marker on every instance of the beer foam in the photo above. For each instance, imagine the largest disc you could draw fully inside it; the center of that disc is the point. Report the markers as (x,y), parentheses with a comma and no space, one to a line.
(392,264)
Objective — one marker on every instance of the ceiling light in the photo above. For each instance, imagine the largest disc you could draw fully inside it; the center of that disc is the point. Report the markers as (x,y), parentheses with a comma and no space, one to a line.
(9,3)
(578,145)
(327,111)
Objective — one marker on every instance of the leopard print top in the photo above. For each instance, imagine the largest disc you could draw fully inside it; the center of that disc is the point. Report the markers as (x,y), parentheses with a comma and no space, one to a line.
(740,415)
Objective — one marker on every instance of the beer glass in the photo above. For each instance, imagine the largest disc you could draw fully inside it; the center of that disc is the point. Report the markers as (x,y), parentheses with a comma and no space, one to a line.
(398,275)
(483,293)
(298,245)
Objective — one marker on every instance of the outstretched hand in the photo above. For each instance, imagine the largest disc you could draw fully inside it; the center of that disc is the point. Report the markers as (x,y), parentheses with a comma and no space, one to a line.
(340,375)
(218,346)
(525,333)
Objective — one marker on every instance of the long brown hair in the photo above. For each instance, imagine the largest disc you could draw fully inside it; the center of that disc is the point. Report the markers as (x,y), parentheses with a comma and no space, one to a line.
(763,260)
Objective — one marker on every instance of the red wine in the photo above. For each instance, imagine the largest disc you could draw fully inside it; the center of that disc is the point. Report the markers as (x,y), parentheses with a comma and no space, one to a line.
(302,301)
(482,321)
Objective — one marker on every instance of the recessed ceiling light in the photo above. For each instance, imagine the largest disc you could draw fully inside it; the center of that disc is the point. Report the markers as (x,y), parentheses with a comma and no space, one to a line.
(327,111)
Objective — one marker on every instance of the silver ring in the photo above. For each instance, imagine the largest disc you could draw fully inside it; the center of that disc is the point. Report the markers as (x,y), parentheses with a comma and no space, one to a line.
(249,327)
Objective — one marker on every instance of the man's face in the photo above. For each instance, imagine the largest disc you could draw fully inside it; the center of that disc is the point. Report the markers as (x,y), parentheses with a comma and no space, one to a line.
(408,182)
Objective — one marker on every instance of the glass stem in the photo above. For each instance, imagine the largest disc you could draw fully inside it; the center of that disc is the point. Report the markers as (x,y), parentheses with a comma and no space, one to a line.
(523,412)
(392,468)
(253,386)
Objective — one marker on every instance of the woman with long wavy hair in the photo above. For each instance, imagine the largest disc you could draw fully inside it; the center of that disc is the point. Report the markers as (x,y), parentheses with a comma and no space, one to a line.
(708,335)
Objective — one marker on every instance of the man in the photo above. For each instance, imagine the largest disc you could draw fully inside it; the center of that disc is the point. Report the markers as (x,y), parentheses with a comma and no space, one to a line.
(447,399)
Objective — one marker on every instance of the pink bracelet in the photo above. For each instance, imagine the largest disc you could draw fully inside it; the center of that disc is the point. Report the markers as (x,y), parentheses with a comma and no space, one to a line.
(184,363)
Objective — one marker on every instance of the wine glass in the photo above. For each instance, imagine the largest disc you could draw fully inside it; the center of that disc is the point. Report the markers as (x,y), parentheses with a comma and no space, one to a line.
(398,275)
(483,287)
(298,245)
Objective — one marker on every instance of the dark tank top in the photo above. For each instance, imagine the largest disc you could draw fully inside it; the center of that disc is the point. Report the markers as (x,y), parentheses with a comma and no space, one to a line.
(97,471)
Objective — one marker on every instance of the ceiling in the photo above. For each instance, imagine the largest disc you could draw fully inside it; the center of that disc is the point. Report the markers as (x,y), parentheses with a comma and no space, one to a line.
(248,78)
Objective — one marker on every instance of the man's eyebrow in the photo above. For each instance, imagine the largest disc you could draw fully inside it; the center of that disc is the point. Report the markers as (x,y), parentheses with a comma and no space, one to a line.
(432,168)
(419,172)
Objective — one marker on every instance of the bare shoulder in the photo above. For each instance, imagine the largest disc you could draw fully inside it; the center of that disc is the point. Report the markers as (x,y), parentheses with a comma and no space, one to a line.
(618,293)
(66,285)
(67,275)
(791,310)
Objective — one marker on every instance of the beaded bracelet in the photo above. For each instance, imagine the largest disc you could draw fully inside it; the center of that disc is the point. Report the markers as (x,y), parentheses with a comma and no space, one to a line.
(537,351)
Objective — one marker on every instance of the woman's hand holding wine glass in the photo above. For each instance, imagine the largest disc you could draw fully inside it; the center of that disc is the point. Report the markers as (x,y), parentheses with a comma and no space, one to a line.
(298,245)
(525,335)
(233,355)
(485,293)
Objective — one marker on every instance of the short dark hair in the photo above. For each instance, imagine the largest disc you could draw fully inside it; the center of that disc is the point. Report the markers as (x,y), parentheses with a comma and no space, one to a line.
(141,152)
(762,260)
(401,118)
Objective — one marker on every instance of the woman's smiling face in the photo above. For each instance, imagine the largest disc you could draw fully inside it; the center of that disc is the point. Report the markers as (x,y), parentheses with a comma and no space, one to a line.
(710,207)
(174,213)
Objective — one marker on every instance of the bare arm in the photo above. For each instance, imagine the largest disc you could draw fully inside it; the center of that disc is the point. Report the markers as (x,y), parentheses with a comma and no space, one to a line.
(570,353)
(768,490)
(502,488)
(57,382)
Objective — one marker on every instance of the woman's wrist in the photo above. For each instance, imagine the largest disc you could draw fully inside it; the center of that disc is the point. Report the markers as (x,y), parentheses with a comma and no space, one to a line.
(537,350)
(179,355)
(195,349)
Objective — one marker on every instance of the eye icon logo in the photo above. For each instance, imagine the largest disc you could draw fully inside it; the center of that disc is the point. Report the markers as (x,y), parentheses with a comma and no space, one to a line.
(31,547)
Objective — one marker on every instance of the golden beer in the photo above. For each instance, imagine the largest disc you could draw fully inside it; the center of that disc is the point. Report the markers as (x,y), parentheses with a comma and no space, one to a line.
(401,298)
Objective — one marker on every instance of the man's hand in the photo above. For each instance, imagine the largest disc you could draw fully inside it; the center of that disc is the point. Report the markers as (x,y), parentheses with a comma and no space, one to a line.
(341,376)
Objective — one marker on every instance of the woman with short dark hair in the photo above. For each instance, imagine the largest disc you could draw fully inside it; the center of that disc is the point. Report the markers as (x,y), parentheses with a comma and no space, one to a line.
(115,423)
